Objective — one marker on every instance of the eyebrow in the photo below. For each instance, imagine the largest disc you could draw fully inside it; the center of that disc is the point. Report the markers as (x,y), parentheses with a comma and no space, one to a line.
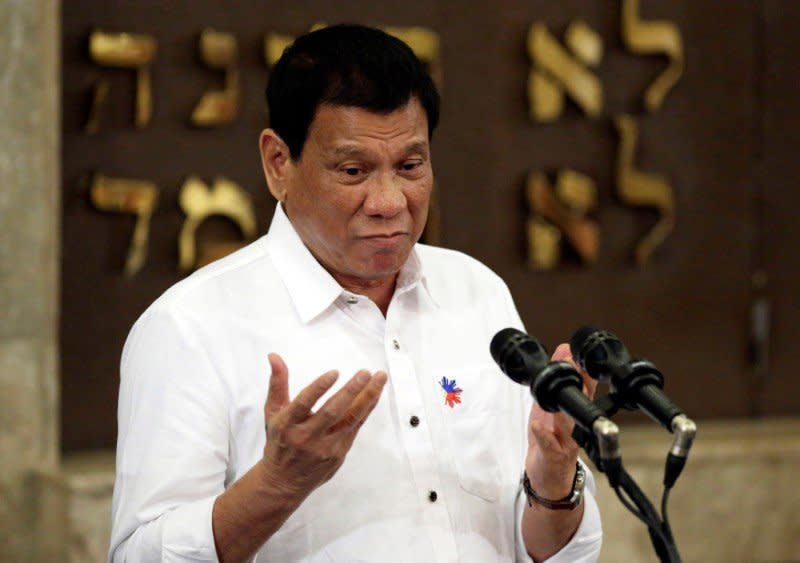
(357,151)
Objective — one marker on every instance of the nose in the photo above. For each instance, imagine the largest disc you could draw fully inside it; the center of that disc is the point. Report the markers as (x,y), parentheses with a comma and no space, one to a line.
(385,197)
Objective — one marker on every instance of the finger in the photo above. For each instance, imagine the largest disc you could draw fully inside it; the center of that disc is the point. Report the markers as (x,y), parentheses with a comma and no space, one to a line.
(562,428)
(545,438)
(299,409)
(336,407)
(363,405)
(563,354)
(278,392)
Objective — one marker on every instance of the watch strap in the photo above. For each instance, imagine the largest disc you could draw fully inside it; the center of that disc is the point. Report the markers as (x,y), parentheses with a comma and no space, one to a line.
(569,502)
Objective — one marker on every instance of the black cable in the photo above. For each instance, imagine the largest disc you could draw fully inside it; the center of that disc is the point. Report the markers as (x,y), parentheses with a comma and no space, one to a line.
(664,515)
(629,505)
(665,548)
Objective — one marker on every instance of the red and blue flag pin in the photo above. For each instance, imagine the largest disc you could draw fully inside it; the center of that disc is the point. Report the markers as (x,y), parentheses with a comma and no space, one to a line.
(453,393)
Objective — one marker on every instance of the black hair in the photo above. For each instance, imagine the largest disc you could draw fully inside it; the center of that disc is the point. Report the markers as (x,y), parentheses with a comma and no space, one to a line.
(345,65)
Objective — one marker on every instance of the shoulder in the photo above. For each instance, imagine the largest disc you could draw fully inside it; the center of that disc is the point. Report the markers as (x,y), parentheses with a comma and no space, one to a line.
(231,282)
(451,274)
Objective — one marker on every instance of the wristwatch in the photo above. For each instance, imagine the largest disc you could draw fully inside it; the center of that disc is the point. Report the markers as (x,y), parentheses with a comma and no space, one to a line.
(569,502)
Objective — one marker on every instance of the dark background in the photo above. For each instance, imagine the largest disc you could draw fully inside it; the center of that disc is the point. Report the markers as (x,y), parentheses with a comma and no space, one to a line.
(724,137)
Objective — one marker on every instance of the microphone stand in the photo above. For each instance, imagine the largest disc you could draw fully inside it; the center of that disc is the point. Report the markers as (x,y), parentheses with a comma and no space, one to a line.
(626,488)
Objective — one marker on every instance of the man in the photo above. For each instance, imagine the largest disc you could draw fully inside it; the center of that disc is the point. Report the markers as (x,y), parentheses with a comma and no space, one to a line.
(416,457)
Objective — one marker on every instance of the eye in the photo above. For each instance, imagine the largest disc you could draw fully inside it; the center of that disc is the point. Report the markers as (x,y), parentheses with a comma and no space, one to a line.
(411,165)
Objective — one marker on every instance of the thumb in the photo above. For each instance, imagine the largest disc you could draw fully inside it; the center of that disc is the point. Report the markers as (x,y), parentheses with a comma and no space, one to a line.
(278,392)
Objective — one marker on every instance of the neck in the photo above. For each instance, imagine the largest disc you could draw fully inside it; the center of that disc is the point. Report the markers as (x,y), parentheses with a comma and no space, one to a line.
(380,291)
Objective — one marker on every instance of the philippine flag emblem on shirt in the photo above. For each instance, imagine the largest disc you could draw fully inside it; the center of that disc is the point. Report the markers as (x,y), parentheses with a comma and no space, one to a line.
(453,393)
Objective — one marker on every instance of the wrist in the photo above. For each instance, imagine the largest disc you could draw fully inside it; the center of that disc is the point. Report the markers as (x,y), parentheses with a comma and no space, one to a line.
(552,480)
(275,485)
(568,501)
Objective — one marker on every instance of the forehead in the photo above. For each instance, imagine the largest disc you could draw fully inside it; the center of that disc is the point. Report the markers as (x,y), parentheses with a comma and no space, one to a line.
(335,126)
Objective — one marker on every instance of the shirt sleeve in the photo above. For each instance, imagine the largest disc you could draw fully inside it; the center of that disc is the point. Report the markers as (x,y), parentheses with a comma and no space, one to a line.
(172,448)
(584,546)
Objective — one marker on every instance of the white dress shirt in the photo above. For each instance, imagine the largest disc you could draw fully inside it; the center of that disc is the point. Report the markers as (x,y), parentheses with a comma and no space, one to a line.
(445,487)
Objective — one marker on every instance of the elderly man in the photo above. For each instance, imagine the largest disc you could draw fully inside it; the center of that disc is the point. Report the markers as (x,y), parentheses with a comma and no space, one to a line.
(231,443)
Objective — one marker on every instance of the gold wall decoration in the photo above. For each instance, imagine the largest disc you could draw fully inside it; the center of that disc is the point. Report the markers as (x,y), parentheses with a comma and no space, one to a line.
(274,46)
(134,197)
(198,202)
(641,189)
(217,107)
(276,43)
(653,37)
(426,44)
(123,50)
(557,71)
(561,212)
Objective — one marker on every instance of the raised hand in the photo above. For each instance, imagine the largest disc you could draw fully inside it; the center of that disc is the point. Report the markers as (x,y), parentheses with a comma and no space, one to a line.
(552,453)
(304,449)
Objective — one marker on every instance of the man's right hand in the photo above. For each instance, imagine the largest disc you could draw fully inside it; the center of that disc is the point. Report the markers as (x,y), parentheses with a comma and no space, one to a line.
(304,448)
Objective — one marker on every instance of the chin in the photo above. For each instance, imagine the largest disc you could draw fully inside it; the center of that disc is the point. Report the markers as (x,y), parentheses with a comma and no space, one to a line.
(384,266)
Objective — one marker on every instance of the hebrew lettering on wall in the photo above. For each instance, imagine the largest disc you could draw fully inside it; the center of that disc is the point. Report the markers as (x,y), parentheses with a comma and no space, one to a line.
(557,70)
(198,202)
(642,189)
(217,107)
(653,37)
(129,51)
(561,214)
(134,197)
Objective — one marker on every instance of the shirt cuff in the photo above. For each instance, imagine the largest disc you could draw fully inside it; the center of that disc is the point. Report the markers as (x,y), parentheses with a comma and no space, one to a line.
(584,546)
(188,533)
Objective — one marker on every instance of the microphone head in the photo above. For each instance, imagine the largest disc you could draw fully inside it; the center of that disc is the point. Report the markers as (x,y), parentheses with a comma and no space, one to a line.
(598,352)
(519,356)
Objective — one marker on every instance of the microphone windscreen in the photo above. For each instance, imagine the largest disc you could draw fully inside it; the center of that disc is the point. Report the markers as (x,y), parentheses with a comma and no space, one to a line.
(499,341)
(579,338)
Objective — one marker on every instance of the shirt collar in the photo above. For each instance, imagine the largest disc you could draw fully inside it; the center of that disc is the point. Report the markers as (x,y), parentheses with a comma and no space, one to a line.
(310,286)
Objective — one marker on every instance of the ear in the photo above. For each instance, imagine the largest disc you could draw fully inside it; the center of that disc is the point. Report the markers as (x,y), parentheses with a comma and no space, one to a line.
(276,161)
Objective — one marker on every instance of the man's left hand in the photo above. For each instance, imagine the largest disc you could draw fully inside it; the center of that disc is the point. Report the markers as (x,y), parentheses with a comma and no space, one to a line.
(552,453)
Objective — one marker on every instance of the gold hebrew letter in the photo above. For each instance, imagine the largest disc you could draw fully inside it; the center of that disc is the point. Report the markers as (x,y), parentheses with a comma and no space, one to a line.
(135,197)
(561,212)
(276,43)
(274,46)
(556,70)
(225,198)
(426,45)
(658,37)
(123,50)
(218,51)
(641,189)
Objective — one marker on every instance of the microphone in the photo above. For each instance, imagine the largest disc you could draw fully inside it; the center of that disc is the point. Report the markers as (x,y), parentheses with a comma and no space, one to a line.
(556,386)
(638,383)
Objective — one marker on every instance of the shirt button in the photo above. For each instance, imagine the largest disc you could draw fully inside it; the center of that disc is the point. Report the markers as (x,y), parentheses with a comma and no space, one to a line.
(432,496)
(414,421)
(395,344)
(352,300)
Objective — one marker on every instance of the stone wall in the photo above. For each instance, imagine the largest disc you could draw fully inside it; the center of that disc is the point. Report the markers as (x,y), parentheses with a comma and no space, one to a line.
(29,248)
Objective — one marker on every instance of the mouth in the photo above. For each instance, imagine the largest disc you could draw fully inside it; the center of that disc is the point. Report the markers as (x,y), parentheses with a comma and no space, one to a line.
(386,239)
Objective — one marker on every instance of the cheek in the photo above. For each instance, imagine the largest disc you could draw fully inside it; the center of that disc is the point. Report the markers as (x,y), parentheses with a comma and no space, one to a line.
(419,197)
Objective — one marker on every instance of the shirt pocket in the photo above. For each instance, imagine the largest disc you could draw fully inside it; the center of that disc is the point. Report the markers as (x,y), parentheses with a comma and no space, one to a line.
(471,405)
